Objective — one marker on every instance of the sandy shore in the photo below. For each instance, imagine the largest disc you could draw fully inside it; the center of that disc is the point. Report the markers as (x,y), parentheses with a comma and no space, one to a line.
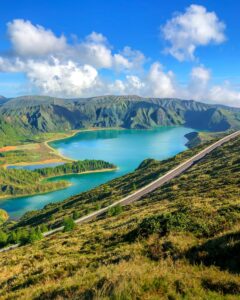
(59,157)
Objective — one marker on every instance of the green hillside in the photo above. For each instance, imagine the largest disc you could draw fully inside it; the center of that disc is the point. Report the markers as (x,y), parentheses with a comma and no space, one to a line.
(181,241)
(24,118)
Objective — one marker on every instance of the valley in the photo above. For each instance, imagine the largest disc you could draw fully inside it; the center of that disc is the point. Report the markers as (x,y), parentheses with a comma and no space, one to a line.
(124,148)
(179,240)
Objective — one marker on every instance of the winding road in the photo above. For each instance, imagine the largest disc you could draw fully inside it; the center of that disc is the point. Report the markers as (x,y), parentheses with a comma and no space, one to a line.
(148,188)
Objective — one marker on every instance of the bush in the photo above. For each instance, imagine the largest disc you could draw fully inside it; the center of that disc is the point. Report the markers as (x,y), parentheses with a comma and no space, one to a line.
(3,238)
(115,210)
(68,224)
(26,237)
(76,215)
(13,237)
(155,224)
(43,228)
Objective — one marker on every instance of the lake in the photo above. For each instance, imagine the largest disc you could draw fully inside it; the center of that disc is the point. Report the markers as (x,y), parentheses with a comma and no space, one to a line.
(125,148)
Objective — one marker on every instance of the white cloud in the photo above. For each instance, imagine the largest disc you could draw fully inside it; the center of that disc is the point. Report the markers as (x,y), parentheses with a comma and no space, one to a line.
(96,51)
(121,62)
(56,68)
(224,94)
(159,83)
(196,27)
(96,38)
(199,82)
(11,66)
(135,58)
(30,40)
(135,83)
(155,83)
(58,78)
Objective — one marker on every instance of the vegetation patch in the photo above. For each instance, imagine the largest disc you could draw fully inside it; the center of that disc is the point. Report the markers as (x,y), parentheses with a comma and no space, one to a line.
(186,242)
(15,182)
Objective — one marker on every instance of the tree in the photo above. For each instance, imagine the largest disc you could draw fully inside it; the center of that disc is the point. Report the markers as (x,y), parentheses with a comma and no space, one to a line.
(76,215)
(13,238)
(23,236)
(34,235)
(115,210)
(68,224)
(3,238)
(43,228)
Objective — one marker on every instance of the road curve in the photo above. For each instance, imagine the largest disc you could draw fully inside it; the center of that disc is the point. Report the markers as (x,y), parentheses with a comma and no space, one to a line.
(148,188)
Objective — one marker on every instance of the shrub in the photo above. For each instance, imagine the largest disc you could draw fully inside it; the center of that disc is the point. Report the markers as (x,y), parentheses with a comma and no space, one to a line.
(13,237)
(76,215)
(115,210)
(68,224)
(43,228)
(3,238)
(34,235)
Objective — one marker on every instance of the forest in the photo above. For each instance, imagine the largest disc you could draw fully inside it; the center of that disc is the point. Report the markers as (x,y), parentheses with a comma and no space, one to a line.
(19,182)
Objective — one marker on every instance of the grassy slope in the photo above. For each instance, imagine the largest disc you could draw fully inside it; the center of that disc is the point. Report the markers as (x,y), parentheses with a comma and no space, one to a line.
(198,138)
(130,256)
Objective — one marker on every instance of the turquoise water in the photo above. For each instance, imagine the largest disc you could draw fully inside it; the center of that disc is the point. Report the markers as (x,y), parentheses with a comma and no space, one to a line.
(125,148)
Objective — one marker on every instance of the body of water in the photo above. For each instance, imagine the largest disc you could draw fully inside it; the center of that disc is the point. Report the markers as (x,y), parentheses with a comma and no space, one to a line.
(125,148)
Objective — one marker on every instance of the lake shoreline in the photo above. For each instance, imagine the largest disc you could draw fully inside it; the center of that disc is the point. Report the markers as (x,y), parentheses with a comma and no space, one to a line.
(85,172)
(114,145)
(61,158)
(46,178)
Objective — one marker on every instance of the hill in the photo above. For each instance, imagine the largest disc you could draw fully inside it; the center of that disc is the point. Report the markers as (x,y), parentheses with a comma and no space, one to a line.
(23,118)
(181,241)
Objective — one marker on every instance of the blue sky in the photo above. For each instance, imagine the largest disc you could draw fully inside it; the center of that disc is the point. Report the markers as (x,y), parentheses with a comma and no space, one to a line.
(86,48)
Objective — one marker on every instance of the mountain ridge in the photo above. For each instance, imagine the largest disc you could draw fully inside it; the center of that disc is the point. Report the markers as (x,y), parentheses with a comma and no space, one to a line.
(28,116)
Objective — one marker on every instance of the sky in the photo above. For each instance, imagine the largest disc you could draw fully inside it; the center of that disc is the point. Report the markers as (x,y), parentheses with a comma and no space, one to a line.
(151,48)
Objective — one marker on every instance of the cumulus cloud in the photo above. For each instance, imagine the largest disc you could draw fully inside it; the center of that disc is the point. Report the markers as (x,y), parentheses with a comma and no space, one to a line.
(155,82)
(195,27)
(54,77)
(28,39)
(159,83)
(95,50)
(55,67)
(199,82)
(224,94)
(58,78)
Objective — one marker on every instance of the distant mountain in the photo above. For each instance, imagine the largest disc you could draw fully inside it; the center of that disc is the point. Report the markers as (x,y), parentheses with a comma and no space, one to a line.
(31,115)
(3,100)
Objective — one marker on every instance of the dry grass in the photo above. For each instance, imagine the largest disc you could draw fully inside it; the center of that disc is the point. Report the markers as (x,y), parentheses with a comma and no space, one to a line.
(100,261)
